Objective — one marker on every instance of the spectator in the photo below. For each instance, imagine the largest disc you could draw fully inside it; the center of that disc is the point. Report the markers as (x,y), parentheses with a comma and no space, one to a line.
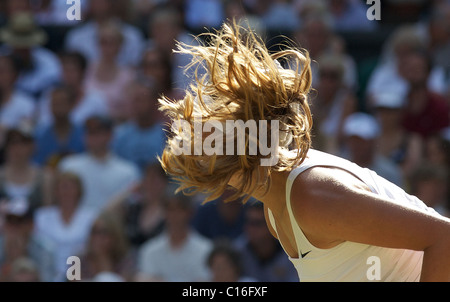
(387,74)
(394,143)
(107,76)
(203,13)
(426,113)
(40,67)
(257,7)
(429,183)
(62,137)
(66,224)
(99,13)
(434,31)
(280,16)
(235,9)
(350,15)
(437,149)
(307,8)
(143,9)
(179,254)
(104,175)
(362,131)
(20,178)
(334,102)
(87,102)
(225,264)
(13,7)
(437,153)
(165,29)
(141,208)
(262,256)
(219,219)
(317,36)
(16,107)
(141,139)
(157,67)
(18,241)
(107,255)
(388,108)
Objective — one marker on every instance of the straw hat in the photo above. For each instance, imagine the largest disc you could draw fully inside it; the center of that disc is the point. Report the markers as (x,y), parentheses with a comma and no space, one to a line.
(22,32)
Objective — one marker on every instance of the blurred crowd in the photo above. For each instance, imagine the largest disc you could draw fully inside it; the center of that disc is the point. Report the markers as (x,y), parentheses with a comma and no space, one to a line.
(80,131)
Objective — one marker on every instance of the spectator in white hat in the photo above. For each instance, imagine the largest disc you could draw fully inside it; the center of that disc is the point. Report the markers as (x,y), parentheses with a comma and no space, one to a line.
(362,131)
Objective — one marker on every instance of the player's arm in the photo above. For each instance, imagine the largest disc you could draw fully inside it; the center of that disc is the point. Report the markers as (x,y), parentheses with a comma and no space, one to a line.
(334,206)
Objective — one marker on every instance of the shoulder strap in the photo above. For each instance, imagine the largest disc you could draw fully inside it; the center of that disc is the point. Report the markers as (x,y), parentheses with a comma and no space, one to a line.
(315,159)
(299,237)
(295,228)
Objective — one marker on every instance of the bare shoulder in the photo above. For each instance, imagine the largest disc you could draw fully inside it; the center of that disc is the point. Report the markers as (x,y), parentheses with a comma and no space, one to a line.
(317,195)
(331,205)
(324,182)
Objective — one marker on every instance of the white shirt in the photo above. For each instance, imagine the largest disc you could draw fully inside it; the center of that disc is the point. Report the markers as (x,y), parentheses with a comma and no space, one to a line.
(67,239)
(347,262)
(19,109)
(102,180)
(186,264)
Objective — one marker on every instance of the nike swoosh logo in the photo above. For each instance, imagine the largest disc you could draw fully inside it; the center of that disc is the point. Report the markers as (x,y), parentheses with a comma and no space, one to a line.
(305,254)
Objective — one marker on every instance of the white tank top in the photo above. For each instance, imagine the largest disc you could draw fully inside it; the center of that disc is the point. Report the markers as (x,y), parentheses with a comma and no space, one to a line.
(351,261)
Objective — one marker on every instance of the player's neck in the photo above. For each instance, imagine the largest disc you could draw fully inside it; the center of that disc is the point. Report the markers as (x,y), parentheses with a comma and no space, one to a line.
(272,196)
(276,193)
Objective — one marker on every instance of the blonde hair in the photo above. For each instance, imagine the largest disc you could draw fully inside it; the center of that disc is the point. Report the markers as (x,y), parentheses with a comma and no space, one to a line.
(243,81)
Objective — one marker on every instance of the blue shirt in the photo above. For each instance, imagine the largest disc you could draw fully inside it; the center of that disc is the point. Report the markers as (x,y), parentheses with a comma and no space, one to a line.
(48,144)
(139,145)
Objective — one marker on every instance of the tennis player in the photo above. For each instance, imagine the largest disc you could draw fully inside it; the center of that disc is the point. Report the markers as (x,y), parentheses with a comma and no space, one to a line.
(335,220)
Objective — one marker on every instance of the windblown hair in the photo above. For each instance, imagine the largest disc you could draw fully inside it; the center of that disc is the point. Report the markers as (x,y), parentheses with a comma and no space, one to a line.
(237,78)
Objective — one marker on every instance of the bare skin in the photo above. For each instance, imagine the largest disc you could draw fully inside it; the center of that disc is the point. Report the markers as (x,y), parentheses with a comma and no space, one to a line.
(329,202)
